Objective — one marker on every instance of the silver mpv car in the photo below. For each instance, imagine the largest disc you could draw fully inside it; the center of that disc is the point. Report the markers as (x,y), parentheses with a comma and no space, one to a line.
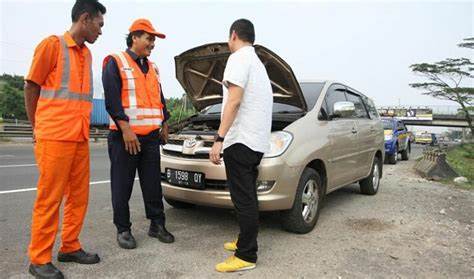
(325,135)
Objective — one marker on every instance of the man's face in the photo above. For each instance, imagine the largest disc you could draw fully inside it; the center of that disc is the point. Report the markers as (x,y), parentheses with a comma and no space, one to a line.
(144,44)
(93,27)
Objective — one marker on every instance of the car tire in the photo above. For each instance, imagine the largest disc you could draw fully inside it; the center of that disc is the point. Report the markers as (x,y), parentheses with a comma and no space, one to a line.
(392,159)
(406,153)
(304,214)
(178,204)
(370,184)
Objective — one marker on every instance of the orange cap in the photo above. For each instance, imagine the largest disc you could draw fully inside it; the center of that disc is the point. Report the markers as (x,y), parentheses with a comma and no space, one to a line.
(143,24)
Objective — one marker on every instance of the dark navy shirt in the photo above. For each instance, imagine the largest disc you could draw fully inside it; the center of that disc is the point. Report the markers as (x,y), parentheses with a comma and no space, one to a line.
(112,83)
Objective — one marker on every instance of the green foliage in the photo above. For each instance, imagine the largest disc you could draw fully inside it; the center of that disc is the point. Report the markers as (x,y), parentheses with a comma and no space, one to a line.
(11,102)
(444,80)
(468,43)
(179,108)
(461,159)
(14,81)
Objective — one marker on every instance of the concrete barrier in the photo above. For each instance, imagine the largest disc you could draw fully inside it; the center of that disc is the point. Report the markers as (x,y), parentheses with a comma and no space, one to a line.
(433,165)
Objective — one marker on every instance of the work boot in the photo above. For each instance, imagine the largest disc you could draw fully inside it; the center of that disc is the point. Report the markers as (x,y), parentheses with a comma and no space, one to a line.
(159,231)
(80,256)
(45,271)
(126,240)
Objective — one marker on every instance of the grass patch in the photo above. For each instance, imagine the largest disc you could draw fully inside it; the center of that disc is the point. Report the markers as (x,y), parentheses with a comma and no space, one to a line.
(461,159)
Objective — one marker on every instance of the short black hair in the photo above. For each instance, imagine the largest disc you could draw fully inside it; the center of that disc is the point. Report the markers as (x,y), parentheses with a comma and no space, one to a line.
(244,30)
(92,7)
(130,35)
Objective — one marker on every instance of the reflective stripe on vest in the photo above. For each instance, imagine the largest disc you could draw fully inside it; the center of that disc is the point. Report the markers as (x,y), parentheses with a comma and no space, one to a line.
(132,95)
(63,92)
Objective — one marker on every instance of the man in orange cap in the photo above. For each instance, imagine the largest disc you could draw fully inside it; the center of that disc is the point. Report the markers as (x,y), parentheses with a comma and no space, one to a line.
(135,103)
(58,100)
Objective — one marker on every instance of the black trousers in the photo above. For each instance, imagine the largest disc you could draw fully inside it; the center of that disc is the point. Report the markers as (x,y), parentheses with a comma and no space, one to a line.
(241,165)
(123,167)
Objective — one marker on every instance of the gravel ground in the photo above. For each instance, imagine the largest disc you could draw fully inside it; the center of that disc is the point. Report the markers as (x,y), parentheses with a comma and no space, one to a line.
(412,228)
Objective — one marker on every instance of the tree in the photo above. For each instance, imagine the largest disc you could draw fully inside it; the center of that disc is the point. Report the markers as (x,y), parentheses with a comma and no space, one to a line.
(11,103)
(446,81)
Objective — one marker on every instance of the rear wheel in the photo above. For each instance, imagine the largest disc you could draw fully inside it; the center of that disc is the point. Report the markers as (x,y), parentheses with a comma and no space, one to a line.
(178,204)
(370,184)
(304,214)
(406,153)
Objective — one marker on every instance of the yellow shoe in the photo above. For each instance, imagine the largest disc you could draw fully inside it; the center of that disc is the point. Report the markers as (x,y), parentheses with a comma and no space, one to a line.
(231,246)
(234,264)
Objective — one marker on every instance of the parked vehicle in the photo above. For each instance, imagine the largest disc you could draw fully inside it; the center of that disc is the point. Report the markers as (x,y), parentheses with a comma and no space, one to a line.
(397,140)
(99,116)
(426,138)
(325,135)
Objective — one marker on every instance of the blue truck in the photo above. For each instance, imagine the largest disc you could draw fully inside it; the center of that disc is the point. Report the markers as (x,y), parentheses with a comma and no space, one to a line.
(99,116)
(397,140)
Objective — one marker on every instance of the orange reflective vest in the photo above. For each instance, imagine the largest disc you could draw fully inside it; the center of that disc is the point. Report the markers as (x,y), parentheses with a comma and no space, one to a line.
(140,100)
(65,102)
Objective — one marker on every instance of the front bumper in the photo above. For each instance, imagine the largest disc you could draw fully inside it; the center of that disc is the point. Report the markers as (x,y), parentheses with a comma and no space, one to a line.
(390,147)
(216,193)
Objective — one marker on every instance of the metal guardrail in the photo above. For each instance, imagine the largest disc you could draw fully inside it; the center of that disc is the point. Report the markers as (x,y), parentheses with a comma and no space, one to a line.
(25,131)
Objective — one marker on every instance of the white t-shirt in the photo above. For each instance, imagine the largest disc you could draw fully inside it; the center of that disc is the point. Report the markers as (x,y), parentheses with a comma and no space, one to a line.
(253,122)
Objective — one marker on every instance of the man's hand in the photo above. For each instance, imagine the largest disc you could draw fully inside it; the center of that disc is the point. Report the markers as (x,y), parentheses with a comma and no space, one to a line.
(215,154)
(132,144)
(164,133)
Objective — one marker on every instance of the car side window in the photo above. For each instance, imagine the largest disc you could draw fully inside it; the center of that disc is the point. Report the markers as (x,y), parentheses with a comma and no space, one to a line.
(360,111)
(370,107)
(400,126)
(336,93)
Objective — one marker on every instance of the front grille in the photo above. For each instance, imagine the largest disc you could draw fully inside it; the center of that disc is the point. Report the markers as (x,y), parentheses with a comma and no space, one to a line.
(209,183)
(187,156)
(175,142)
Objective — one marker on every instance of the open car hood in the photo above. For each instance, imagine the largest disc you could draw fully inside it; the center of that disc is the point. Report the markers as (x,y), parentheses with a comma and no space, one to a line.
(200,71)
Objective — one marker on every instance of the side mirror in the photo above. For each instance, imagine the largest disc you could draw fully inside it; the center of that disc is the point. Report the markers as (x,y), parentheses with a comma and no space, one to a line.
(343,110)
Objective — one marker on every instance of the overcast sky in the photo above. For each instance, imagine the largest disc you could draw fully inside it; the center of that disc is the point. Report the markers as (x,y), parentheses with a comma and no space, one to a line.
(367,45)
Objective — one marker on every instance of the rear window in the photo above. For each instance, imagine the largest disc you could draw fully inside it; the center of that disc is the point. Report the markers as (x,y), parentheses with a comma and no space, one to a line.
(387,125)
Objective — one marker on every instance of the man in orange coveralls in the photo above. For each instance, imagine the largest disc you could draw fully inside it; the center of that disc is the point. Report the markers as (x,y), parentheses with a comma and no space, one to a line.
(58,100)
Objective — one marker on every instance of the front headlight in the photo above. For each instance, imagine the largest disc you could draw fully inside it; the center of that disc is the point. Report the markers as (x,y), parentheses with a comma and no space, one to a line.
(279,142)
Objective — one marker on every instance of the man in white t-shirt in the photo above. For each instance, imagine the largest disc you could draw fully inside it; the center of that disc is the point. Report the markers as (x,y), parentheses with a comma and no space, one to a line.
(244,135)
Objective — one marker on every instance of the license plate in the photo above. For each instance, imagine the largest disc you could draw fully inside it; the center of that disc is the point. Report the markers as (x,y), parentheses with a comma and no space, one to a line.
(185,178)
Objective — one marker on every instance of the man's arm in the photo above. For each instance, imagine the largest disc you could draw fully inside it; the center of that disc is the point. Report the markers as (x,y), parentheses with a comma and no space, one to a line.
(32,93)
(164,127)
(230,111)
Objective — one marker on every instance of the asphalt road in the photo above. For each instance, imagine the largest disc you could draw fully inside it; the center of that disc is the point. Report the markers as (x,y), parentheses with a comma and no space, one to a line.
(357,236)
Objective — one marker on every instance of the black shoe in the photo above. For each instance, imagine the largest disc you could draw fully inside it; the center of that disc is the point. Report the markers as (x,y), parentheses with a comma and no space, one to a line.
(126,240)
(160,232)
(45,271)
(80,256)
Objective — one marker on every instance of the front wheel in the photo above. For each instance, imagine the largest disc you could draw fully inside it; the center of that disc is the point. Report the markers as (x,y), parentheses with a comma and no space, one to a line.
(370,184)
(304,214)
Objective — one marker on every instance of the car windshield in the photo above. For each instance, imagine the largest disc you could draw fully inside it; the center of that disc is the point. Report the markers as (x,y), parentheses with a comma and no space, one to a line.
(387,125)
(311,92)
